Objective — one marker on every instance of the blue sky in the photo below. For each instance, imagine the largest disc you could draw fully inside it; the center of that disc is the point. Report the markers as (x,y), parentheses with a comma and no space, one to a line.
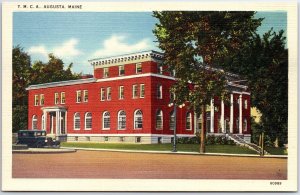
(79,36)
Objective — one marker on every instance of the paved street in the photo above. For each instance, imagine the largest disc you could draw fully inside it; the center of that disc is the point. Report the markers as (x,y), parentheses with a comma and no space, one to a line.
(104,164)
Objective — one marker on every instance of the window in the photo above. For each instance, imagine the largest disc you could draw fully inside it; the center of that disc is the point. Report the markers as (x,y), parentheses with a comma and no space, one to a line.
(134,91)
(108,93)
(78,96)
(199,122)
(56,98)
(102,94)
(121,119)
(105,72)
(245,124)
(121,139)
(138,68)
(188,121)
(172,120)
(85,96)
(159,68)
(106,138)
(43,122)
(159,91)
(159,119)
(34,122)
(42,99)
(62,97)
(138,119)
(246,104)
(88,121)
(172,96)
(106,120)
(142,90)
(121,70)
(138,139)
(121,92)
(77,121)
(172,73)
(36,100)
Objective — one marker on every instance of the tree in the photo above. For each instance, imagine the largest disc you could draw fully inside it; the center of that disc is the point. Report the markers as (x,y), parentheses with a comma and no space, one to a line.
(25,74)
(263,61)
(193,44)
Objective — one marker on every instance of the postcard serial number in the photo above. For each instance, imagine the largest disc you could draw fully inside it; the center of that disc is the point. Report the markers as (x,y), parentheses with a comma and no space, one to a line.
(275,183)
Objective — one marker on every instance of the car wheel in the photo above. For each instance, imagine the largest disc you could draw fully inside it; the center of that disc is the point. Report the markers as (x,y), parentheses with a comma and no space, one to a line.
(38,145)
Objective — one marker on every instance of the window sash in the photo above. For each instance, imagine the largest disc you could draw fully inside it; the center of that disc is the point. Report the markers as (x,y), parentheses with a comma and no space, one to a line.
(121,92)
(121,70)
(188,121)
(102,94)
(88,123)
(106,122)
(134,91)
(108,93)
(36,100)
(139,68)
(85,96)
(78,96)
(138,122)
(122,122)
(62,98)
(105,73)
(142,91)
(42,99)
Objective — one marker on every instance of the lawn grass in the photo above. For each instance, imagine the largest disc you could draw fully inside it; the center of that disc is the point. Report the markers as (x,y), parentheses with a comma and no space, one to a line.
(276,151)
(230,149)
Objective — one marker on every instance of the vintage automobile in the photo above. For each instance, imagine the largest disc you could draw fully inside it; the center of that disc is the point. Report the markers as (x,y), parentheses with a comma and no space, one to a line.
(36,138)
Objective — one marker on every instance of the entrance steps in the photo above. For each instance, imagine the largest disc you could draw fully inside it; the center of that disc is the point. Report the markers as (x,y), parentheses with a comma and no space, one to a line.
(238,139)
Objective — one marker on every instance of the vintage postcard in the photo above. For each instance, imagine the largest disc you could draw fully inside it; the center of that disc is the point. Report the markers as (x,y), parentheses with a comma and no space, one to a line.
(149,96)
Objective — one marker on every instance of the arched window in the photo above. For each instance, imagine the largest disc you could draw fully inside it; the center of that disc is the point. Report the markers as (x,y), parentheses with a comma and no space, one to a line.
(76,121)
(188,121)
(159,91)
(159,119)
(88,121)
(121,119)
(245,124)
(106,120)
(43,122)
(138,119)
(172,120)
(34,122)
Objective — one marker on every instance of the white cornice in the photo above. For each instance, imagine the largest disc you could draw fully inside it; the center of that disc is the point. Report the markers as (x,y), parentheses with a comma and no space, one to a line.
(61,83)
(135,76)
(126,59)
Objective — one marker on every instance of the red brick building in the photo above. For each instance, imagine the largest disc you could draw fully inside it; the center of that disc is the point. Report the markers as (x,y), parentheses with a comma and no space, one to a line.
(127,101)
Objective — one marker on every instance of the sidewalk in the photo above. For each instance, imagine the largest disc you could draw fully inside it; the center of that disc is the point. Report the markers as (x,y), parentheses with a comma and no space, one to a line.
(44,150)
(178,152)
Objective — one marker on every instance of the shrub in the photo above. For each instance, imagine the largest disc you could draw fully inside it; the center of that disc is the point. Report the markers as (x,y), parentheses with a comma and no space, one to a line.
(210,140)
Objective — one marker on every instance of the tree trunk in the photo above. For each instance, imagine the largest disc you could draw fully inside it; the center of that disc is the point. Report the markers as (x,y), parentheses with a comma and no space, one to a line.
(203,130)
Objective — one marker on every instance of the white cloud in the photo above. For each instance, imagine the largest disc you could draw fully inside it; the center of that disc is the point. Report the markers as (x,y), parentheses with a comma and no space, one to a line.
(66,50)
(116,45)
(41,49)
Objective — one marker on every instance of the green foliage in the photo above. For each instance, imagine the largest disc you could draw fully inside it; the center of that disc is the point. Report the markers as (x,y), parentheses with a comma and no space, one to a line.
(25,74)
(19,117)
(188,140)
(263,61)
(218,140)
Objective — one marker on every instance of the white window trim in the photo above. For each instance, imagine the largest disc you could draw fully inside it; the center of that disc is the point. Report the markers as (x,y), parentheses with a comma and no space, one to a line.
(85,118)
(104,75)
(42,95)
(36,99)
(186,117)
(61,94)
(74,126)
(133,87)
(134,119)
(102,96)
(162,119)
(119,120)
(108,89)
(120,92)
(77,92)
(84,92)
(141,90)
(136,68)
(103,121)
(159,87)
(120,70)
(56,95)
(34,119)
